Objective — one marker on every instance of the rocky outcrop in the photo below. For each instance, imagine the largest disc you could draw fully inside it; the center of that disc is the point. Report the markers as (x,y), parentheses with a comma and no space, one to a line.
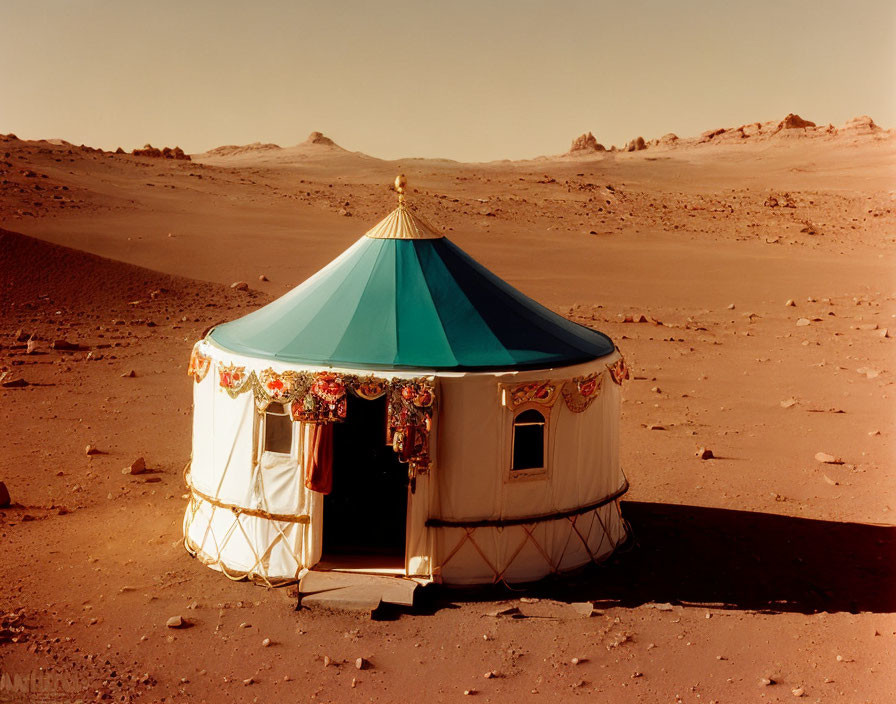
(321,139)
(164,153)
(792,122)
(636,145)
(237,149)
(586,143)
(860,126)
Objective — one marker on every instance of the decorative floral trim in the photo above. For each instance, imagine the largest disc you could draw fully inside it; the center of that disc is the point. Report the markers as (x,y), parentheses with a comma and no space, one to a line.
(234,379)
(199,364)
(321,397)
(543,392)
(410,416)
(618,371)
(579,393)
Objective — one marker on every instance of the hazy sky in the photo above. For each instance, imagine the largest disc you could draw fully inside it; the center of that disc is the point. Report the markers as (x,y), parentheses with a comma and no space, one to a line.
(466,80)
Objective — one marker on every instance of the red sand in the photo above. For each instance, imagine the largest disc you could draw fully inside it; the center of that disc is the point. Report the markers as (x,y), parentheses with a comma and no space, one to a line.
(776,566)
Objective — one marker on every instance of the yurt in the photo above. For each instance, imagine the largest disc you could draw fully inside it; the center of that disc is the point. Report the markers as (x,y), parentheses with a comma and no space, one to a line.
(404,411)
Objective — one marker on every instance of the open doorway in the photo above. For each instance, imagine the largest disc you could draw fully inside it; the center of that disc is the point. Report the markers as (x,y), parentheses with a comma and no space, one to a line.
(365,515)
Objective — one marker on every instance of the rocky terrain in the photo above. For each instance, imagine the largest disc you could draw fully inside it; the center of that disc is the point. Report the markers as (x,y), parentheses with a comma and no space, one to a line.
(747,279)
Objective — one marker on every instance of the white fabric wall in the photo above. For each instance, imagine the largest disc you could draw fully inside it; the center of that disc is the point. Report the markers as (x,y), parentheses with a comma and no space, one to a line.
(468,481)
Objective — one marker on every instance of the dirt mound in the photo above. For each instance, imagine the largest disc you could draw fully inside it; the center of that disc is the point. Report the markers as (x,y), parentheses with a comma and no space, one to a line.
(37,275)
(586,143)
(164,153)
(237,149)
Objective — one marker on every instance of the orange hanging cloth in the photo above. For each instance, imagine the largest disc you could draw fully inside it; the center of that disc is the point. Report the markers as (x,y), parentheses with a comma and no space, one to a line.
(317,456)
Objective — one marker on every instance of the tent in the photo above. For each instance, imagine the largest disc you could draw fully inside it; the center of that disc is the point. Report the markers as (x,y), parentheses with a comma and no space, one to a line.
(404,411)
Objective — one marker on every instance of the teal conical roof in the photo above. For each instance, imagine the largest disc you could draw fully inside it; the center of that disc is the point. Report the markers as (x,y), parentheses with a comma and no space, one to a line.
(404,297)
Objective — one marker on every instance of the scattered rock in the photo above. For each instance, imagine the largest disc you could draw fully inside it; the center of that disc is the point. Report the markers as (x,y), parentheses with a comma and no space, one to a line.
(266,643)
(5,499)
(730,306)
(704,453)
(91,450)
(262,277)
(65,345)
(656,426)
(490,675)
(798,692)
(15,384)
(362,664)
(790,302)
(30,347)
(138,466)
(825,458)
(585,608)
(510,611)
(803,322)
(788,403)
(176,622)
(766,682)
(129,374)
(240,286)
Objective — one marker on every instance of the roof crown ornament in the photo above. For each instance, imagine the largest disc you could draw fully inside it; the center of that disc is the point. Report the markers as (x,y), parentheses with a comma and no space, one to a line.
(403,223)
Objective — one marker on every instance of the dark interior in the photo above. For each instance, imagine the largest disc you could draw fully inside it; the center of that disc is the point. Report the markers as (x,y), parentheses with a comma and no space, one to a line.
(366,512)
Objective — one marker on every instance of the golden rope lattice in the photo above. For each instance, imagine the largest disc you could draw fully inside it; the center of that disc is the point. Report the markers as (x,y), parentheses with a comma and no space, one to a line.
(257,571)
(595,555)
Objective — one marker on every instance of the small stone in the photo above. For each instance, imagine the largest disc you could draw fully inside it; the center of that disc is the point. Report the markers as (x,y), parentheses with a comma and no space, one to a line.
(798,692)
(802,322)
(245,625)
(788,403)
(30,347)
(884,332)
(65,345)
(469,692)
(262,277)
(489,675)
(15,384)
(249,680)
(511,611)
(790,303)
(656,426)
(766,682)
(5,499)
(266,643)
(704,453)
(585,608)
(576,661)
(240,286)
(91,450)
(362,664)
(138,466)
(637,674)
(175,622)
(825,458)
(730,306)
(130,374)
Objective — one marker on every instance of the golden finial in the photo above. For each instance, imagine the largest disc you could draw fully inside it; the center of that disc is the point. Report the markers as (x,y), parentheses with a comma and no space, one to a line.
(400,184)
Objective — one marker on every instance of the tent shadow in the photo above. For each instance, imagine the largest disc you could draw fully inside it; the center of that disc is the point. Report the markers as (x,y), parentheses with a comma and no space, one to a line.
(742,560)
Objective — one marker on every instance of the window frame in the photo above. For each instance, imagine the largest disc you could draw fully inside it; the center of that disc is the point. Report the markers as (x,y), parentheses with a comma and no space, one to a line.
(263,435)
(543,472)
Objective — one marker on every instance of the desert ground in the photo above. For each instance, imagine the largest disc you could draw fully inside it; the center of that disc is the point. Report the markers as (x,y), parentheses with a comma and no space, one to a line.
(759,261)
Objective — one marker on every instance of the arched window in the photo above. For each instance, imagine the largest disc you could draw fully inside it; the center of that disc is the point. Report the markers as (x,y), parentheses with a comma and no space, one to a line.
(528,449)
